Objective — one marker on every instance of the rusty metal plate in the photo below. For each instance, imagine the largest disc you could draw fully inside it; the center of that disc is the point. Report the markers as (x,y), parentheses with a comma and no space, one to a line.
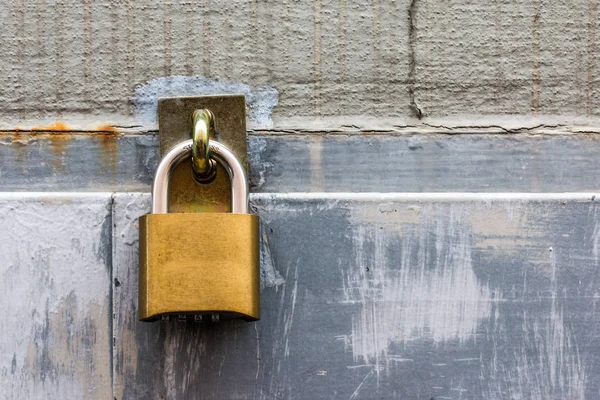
(175,124)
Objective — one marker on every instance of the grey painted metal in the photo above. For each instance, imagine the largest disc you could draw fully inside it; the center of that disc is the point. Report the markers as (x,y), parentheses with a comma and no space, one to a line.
(77,162)
(319,162)
(183,151)
(364,296)
(56,296)
(395,296)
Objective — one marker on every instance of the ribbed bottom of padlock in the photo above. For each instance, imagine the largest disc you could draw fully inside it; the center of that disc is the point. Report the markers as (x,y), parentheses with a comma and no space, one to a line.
(193,317)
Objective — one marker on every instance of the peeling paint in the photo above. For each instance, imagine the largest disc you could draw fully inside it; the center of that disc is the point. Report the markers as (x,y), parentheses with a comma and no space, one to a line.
(269,276)
(256,158)
(109,138)
(260,100)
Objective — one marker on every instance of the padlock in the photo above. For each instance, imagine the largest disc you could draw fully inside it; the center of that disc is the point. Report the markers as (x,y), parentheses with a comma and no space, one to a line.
(199,263)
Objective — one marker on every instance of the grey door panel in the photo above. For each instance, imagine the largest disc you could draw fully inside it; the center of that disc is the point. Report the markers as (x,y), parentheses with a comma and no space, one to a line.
(56,296)
(373,296)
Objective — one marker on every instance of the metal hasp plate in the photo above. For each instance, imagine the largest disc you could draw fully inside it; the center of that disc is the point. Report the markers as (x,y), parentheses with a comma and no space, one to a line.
(175,125)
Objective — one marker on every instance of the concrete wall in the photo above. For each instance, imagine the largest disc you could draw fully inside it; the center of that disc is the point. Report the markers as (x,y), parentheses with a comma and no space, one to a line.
(402,62)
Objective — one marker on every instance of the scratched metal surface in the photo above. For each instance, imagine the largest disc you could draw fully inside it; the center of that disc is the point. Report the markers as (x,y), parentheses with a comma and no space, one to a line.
(371,296)
(55,296)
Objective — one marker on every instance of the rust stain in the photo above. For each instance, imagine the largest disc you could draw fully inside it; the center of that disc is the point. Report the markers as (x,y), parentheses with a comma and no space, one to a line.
(59,134)
(22,140)
(20,136)
(107,129)
(58,139)
(109,136)
(59,146)
(54,128)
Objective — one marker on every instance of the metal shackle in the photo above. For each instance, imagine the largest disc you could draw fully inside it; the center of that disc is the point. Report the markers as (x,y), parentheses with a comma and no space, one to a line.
(182,151)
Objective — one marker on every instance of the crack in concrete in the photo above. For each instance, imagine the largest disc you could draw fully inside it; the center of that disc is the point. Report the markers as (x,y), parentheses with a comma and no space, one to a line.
(507,130)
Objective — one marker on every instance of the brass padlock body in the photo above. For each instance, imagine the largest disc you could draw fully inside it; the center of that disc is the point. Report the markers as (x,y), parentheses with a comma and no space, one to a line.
(205,263)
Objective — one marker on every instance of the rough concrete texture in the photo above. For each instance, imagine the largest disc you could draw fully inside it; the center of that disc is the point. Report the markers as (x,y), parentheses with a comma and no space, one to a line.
(402,60)
(506,57)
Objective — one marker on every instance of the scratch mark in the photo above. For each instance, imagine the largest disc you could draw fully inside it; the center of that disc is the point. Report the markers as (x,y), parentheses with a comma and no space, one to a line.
(289,317)
(547,364)
(269,276)
(257,148)
(430,291)
(353,396)
(257,351)
(283,317)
